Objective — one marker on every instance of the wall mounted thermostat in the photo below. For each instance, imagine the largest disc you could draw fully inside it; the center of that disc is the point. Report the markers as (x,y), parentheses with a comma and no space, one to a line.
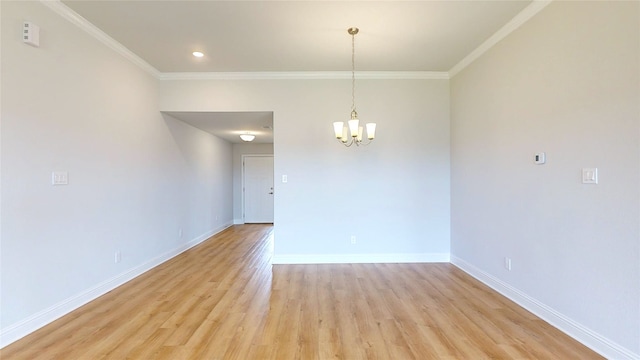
(540,158)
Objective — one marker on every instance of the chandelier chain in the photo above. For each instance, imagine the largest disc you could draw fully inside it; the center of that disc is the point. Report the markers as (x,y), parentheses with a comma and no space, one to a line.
(353,72)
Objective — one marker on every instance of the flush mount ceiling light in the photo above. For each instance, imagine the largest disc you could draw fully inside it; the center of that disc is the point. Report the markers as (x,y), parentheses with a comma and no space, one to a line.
(353,134)
(247,137)
(198,54)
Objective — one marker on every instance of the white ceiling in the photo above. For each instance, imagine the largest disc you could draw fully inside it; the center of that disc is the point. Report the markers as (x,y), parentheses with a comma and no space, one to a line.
(299,35)
(285,36)
(230,125)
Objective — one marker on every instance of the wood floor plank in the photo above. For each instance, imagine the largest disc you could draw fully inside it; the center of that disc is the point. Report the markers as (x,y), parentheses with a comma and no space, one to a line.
(224,300)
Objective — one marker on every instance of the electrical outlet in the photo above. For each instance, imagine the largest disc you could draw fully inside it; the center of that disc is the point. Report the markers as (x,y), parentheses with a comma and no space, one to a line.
(118,257)
(507,263)
(353,239)
(180,233)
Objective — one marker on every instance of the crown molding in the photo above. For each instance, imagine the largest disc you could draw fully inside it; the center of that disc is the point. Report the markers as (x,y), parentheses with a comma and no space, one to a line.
(305,75)
(61,9)
(523,16)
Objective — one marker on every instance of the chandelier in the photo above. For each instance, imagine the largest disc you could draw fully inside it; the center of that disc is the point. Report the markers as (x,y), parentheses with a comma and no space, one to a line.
(354,133)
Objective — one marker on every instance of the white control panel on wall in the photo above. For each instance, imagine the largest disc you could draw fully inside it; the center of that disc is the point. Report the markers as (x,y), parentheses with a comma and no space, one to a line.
(59,178)
(540,158)
(589,175)
(31,34)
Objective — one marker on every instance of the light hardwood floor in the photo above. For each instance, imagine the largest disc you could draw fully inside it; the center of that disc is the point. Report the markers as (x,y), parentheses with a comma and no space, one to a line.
(224,300)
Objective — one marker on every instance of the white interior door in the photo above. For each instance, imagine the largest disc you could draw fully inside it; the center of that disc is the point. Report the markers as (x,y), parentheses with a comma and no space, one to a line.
(258,189)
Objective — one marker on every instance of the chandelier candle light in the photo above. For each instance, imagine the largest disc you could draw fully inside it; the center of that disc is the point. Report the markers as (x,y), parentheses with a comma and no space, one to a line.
(353,134)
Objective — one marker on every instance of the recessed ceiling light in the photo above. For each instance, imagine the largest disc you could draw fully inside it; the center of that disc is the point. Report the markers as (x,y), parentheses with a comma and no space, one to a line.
(198,54)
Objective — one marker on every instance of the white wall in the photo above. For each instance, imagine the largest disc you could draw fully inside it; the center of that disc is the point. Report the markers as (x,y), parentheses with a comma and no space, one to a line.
(238,151)
(135,177)
(393,195)
(566,83)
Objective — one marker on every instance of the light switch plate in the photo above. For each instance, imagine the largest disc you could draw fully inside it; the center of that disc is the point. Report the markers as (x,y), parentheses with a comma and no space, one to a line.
(589,175)
(59,178)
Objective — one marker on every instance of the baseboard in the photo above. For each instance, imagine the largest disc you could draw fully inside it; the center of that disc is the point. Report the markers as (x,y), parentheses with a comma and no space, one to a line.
(34,322)
(359,258)
(586,336)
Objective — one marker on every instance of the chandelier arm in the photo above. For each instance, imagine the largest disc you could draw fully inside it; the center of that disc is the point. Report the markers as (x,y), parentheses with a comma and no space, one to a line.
(355,142)
(347,143)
